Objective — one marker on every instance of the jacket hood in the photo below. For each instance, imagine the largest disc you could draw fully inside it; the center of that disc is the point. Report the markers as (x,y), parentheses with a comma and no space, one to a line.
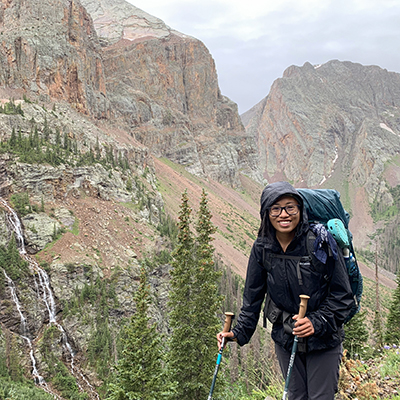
(274,191)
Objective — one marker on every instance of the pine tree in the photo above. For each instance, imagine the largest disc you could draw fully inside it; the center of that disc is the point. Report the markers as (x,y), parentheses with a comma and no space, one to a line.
(356,335)
(13,138)
(182,314)
(194,303)
(139,371)
(97,149)
(58,140)
(206,300)
(392,335)
(377,324)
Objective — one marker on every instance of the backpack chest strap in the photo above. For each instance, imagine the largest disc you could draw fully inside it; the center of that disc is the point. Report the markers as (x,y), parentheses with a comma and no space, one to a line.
(299,259)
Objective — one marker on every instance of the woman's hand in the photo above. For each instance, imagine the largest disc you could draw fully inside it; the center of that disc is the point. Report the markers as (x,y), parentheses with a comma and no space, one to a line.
(303,327)
(220,335)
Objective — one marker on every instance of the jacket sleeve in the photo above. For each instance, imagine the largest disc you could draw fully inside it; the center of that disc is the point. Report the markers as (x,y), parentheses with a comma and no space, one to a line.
(337,305)
(253,296)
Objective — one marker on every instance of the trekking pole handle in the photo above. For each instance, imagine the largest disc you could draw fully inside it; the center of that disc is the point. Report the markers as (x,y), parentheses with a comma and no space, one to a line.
(303,305)
(229,316)
(228,321)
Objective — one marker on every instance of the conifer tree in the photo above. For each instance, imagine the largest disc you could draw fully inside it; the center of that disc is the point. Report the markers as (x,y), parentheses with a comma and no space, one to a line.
(356,335)
(182,314)
(194,303)
(377,324)
(206,300)
(377,330)
(58,140)
(13,138)
(97,149)
(392,335)
(139,371)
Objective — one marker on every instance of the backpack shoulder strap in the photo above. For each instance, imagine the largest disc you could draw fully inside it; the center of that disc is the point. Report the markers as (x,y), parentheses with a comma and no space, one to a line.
(317,264)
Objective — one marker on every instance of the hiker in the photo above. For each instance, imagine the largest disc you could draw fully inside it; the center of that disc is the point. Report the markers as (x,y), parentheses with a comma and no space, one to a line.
(276,268)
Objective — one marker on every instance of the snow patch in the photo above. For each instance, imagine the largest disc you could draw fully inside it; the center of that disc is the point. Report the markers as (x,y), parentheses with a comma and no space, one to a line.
(333,169)
(384,126)
(336,156)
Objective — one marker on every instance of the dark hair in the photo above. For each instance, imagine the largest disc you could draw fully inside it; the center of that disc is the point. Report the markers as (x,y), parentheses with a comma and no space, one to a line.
(266,229)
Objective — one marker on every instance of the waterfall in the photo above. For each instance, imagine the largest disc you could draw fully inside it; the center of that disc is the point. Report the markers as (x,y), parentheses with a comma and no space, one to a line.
(24,331)
(48,299)
(11,285)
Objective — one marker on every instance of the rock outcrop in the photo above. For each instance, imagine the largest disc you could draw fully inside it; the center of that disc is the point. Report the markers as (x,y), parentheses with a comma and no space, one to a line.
(51,50)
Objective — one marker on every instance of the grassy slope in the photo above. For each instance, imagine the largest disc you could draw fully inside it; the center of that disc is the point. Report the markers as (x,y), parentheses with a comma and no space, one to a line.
(235,213)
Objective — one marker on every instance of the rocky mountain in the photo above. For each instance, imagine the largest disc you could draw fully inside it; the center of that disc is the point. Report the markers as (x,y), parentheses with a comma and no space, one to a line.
(333,125)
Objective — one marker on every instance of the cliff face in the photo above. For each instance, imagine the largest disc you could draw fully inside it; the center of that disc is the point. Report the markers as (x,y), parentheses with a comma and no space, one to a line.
(164,86)
(334,125)
(52,52)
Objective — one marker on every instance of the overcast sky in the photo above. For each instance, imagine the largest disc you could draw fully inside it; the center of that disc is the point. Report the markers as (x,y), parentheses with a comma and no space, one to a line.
(254,41)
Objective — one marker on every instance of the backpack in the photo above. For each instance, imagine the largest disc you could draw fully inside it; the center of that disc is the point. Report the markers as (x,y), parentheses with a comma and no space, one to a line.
(324,206)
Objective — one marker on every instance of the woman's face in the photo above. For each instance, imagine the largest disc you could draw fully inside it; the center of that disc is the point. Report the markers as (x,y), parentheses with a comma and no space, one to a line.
(285,223)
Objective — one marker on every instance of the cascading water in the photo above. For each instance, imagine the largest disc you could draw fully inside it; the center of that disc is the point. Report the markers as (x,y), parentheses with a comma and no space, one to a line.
(47,297)
(24,332)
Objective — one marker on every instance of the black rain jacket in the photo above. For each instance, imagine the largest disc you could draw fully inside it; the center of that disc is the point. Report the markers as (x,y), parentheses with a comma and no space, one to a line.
(330,294)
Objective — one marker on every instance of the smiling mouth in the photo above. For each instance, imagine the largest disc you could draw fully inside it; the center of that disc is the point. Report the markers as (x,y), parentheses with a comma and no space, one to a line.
(284,223)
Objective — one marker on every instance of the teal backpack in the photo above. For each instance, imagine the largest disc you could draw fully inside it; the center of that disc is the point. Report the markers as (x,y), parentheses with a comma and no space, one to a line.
(324,206)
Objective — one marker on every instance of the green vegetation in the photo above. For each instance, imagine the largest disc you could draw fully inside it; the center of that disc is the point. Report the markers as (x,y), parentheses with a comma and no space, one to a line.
(99,295)
(13,385)
(194,302)
(57,372)
(11,109)
(380,210)
(393,320)
(75,227)
(167,227)
(361,380)
(199,279)
(21,204)
(10,390)
(140,372)
(356,339)
(44,146)
(11,261)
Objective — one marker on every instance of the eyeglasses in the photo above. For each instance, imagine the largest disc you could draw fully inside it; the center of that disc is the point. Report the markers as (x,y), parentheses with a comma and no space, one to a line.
(275,211)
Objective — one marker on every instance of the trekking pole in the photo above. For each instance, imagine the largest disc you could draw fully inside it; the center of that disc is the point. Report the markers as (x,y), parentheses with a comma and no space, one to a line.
(227,327)
(302,312)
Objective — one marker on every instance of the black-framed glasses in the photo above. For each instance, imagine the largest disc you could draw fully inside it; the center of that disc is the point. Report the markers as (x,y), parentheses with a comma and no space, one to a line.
(275,211)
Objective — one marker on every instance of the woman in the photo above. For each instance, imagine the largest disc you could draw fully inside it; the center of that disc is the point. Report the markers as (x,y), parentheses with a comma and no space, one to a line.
(277,266)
